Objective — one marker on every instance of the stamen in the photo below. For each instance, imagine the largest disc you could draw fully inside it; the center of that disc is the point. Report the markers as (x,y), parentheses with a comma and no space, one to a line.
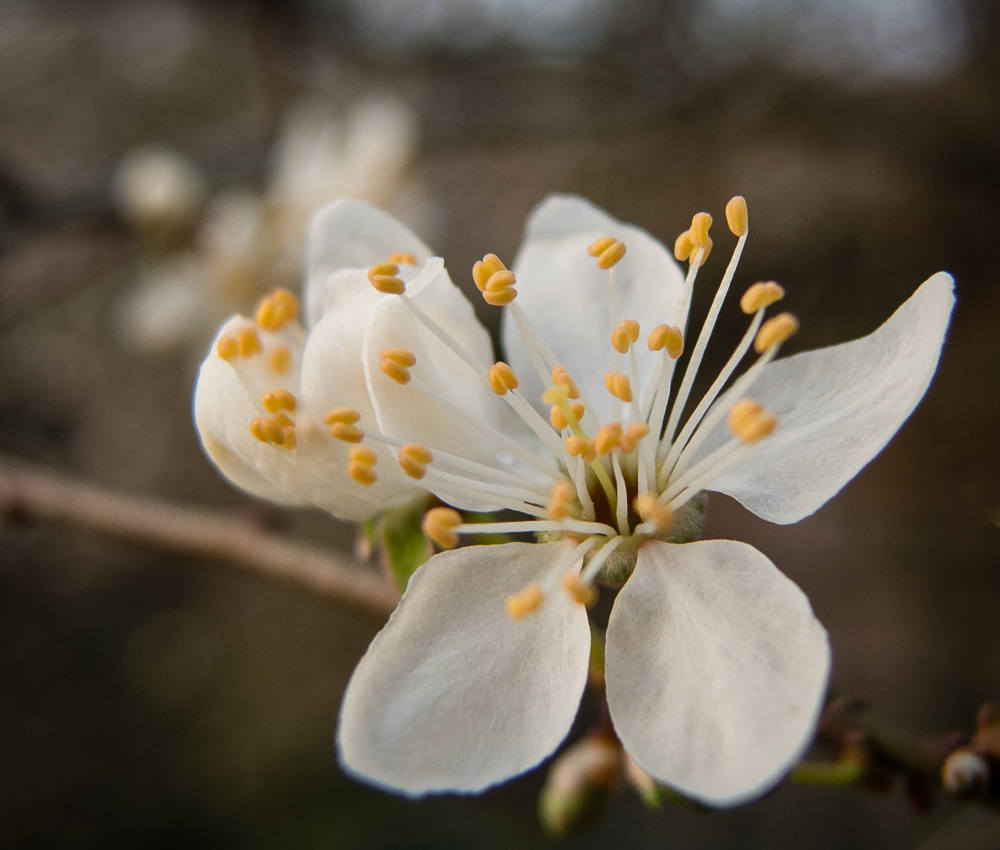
(561,378)
(623,336)
(654,514)
(228,348)
(441,526)
(581,448)
(621,493)
(736,216)
(346,433)
(608,439)
(276,400)
(396,363)
(775,331)
(750,422)
(560,506)
(277,310)
(495,281)
(268,430)
(667,337)
(529,600)
(698,235)
(585,594)
(345,415)
(558,418)
(608,251)
(249,341)
(403,259)
(361,466)
(760,295)
(502,378)
(413,460)
(683,247)
(279,359)
(619,386)
(384,277)
(629,441)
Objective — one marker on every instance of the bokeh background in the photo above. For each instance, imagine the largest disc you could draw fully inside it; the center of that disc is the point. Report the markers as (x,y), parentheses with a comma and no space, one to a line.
(151,700)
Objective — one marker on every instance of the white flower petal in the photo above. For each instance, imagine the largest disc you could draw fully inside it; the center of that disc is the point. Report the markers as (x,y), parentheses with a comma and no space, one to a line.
(351,234)
(566,295)
(407,414)
(223,411)
(716,669)
(453,695)
(837,407)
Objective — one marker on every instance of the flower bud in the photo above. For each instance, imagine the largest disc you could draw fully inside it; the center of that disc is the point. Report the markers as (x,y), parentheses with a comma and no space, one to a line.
(580,784)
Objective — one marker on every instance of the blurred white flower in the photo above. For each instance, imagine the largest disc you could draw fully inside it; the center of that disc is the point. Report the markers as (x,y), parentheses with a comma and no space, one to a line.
(715,664)
(248,243)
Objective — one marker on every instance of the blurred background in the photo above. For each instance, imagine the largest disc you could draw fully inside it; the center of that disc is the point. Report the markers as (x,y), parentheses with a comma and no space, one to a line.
(157,163)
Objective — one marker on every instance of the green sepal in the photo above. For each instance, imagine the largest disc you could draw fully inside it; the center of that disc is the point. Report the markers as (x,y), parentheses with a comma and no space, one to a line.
(403,541)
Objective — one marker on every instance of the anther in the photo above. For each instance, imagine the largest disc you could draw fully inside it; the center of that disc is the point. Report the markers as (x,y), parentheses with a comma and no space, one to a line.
(344,415)
(775,331)
(670,338)
(585,594)
(403,259)
(396,363)
(279,359)
(529,600)
(502,378)
(267,430)
(362,465)
(624,335)
(228,348)
(440,525)
(558,418)
(561,378)
(581,448)
(276,310)
(276,400)
(608,252)
(683,247)
(346,433)
(498,288)
(759,295)
(560,503)
(651,510)
(413,460)
(249,341)
(750,422)
(700,224)
(619,386)
(633,433)
(384,277)
(736,215)
(608,438)
(744,411)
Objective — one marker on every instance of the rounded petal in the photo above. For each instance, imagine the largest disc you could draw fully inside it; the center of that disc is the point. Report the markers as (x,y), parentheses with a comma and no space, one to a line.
(223,411)
(837,408)
(716,669)
(349,234)
(453,695)
(566,296)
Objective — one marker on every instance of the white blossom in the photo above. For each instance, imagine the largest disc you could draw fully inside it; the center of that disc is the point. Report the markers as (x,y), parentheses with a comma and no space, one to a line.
(715,665)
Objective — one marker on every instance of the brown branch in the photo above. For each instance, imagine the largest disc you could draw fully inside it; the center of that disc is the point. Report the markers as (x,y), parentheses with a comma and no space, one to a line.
(31,493)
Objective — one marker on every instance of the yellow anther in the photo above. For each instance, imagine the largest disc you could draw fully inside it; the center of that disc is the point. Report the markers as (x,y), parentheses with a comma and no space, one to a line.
(279,359)
(700,224)
(581,448)
(683,247)
(502,378)
(500,280)
(529,600)
(608,438)
(276,400)
(267,430)
(493,263)
(501,297)
(611,256)
(736,215)
(760,295)
(396,363)
(249,341)
(601,245)
(651,510)
(283,420)
(558,418)
(276,310)
(630,439)
(750,422)
(363,455)
(384,277)
(624,335)
(668,337)
(403,259)
(618,385)
(585,594)
(346,432)
(632,328)
(480,274)
(228,348)
(560,503)
(561,378)
(343,415)
(440,525)
(494,281)
(775,331)
(413,460)
(362,473)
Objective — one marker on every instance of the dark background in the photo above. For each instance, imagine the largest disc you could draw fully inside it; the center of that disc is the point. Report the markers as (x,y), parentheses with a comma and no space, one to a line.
(148,700)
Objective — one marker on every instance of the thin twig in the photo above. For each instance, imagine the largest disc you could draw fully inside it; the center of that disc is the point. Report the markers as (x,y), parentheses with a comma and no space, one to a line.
(36,494)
